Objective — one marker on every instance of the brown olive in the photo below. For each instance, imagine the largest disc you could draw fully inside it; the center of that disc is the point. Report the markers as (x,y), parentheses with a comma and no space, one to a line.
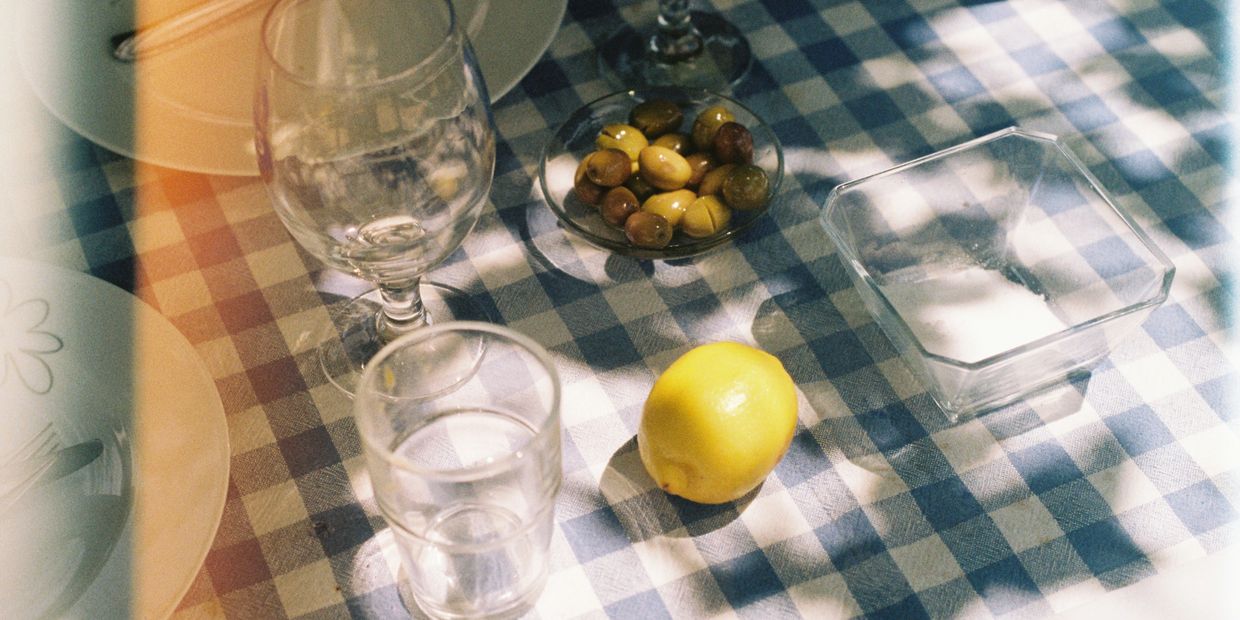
(705,216)
(587,191)
(746,188)
(671,205)
(699,164)
(618,204)
(608,167)
(664,168)
(712,183)
(624,137)
(733,144)
(648,230)
(656,117)
(707,123)
(640,187)
(678,142)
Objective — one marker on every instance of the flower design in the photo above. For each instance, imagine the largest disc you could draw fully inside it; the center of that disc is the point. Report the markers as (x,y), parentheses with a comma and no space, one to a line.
(23,344)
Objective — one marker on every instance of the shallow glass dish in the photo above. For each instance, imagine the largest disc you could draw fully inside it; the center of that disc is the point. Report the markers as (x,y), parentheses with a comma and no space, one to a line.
(998,267)
(575,139)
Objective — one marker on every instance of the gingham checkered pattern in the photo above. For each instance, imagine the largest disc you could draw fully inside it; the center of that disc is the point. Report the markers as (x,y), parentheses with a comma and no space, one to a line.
(881,507)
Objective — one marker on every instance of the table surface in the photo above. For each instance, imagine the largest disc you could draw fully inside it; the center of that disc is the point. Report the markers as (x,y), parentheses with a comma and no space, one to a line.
(881,507)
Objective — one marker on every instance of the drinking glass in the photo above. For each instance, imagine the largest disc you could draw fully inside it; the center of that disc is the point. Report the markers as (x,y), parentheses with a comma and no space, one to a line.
(687,48)
(463,451)
(375,140)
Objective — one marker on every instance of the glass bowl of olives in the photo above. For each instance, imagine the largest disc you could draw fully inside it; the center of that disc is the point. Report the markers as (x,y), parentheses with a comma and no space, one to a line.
(661,172)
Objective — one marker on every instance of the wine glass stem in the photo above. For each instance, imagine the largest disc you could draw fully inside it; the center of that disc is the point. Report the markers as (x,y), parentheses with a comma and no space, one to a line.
(402,309)
(676,39)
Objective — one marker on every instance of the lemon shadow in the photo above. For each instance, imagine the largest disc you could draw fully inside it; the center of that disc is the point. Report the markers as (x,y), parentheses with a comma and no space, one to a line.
(645,511)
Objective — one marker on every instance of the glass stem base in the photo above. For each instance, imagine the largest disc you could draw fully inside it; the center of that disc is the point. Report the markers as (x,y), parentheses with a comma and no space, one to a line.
(713,55)
(357,330)
(402,311)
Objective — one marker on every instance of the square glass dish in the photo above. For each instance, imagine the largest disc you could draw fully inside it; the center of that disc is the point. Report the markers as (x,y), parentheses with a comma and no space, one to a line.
(997,267)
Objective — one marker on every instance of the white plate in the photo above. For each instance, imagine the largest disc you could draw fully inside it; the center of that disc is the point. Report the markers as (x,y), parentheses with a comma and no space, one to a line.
(195,99)
(125,535)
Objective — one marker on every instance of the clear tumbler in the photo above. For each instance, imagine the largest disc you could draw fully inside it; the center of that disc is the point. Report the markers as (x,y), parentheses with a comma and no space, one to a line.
(460,423)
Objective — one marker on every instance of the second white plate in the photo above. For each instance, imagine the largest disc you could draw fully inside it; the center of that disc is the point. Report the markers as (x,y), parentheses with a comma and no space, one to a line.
(196,99)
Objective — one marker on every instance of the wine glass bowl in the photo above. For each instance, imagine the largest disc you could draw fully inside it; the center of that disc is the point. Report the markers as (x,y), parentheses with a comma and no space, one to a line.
(575,139)
(374,138)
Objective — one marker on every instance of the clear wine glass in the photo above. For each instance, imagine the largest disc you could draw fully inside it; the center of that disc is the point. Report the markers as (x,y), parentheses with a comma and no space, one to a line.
(686,48)
(375,140)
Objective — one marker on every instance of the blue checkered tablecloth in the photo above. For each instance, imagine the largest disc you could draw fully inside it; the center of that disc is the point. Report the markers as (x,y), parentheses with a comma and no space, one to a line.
(882,508)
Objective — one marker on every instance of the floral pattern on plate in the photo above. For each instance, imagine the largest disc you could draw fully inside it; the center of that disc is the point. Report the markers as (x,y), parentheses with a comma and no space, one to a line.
(23,344)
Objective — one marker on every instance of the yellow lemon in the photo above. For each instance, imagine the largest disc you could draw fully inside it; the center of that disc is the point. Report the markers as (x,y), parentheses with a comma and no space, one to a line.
(717,421)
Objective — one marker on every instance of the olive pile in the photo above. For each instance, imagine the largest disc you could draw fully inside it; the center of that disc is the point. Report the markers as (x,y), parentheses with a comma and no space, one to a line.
(652,180)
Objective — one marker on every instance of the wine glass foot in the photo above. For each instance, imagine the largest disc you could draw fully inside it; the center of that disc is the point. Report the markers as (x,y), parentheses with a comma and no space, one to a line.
(628,58)
(351,337)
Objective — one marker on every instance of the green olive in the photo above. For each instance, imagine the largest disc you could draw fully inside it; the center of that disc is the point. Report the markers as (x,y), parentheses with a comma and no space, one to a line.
(656,117)
(587,191)
(671,205)
(664,168)
(699,164)
(640,187)
(733,144)
(618,204)
(608,167)
(678,142)
(746,188)
(712,182)
(624,137)
(705,216)
(707,123)
(648,230)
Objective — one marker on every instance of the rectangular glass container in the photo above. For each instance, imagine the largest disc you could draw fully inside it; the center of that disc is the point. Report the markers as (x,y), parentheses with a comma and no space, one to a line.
(997,267)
